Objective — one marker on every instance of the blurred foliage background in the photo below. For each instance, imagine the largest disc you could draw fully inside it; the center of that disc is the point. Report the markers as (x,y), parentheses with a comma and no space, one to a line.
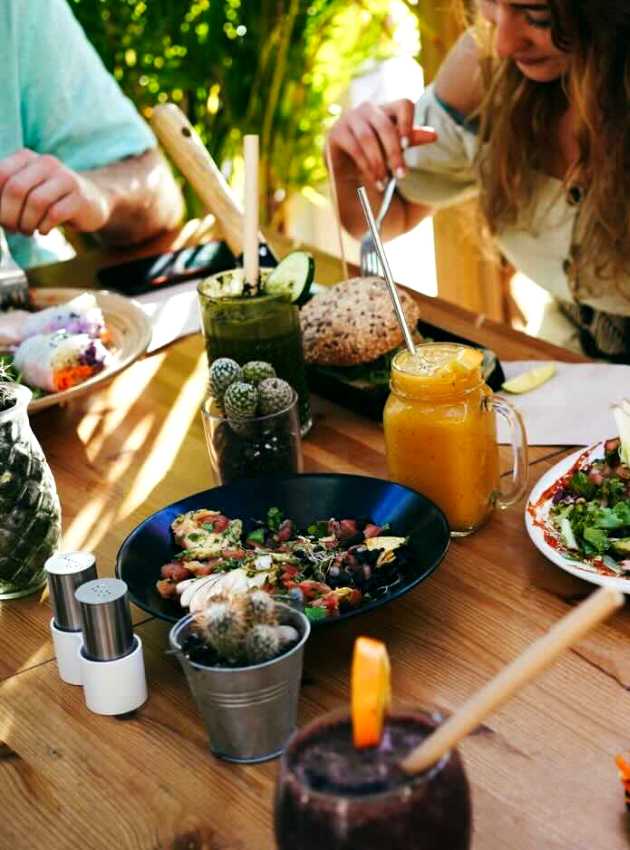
(274,67)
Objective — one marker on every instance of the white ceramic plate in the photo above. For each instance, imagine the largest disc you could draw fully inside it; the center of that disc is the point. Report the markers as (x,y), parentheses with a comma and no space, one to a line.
(130,332)
(540,528)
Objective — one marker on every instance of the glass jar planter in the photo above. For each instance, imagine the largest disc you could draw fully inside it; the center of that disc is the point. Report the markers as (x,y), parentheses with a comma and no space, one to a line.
(257,445)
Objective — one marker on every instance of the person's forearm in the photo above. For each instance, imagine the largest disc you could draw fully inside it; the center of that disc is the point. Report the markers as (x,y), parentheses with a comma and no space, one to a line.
(142,196)
(401,217)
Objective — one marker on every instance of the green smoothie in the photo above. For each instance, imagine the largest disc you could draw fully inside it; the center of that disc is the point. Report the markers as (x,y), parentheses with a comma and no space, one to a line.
(255,327)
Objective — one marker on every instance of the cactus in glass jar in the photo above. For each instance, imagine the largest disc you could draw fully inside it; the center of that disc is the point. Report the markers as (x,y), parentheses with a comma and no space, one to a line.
(30,514)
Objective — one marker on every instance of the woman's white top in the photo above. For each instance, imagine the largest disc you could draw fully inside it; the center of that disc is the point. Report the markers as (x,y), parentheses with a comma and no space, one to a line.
(442,173)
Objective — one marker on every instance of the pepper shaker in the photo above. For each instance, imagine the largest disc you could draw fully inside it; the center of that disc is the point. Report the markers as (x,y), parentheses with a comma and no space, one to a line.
(111,658)
(67,571)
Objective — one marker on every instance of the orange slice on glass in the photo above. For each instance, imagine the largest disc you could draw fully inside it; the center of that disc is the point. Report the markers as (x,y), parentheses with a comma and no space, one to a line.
(371,691)
(463,361)
(466,360)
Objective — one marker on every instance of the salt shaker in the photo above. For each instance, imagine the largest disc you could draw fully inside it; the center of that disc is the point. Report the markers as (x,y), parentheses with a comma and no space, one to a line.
(67,571)
(111,658)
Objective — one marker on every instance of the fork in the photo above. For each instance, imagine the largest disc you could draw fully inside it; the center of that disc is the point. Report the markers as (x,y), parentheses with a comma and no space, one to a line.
(13,280)
(369,261)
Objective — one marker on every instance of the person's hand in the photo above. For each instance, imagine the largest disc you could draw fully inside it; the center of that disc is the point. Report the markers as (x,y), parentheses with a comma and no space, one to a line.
(38,192)
(367,142)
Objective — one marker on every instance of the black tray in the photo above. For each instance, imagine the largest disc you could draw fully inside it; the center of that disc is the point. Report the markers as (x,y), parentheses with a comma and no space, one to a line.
(369,400)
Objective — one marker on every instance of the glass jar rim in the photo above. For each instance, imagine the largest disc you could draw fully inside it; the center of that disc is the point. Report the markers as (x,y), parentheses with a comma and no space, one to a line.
(185,622)
(463,385)
(339,715)
(258,298)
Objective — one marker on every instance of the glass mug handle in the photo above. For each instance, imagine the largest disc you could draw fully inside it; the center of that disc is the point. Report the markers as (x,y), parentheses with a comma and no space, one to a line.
(518,439)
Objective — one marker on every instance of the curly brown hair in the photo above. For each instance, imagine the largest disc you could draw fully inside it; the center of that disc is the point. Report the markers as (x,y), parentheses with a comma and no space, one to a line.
(517,117)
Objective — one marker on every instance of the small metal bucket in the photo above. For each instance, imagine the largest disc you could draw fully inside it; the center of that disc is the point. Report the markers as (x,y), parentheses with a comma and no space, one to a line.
(249,712)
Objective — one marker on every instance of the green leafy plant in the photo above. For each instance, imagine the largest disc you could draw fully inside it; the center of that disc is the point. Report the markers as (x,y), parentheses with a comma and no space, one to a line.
(274,67)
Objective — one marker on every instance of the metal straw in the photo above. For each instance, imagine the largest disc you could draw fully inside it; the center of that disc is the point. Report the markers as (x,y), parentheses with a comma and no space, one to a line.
(367,211)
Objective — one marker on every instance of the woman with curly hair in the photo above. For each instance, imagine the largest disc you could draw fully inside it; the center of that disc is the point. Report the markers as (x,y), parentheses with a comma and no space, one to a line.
(531,112)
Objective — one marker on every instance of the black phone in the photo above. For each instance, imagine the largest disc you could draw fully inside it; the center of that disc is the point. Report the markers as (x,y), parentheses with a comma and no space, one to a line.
(147,274)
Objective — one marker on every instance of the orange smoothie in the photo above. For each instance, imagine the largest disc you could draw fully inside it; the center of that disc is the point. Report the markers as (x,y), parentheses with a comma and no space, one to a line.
(440,432)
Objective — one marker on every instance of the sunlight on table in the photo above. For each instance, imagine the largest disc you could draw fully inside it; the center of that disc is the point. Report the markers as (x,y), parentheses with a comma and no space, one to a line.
(146,454)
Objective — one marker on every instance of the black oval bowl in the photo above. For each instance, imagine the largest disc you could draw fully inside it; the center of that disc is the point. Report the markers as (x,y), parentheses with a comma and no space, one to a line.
(303,498)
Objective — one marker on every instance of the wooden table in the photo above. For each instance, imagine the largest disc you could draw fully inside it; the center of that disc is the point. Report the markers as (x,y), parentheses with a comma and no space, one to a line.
(541,769)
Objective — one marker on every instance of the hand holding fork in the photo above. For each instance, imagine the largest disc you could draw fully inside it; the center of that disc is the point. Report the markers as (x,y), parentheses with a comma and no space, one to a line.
(367,147)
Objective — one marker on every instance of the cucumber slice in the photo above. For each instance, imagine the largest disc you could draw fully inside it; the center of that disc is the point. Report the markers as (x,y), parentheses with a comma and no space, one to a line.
(292,277)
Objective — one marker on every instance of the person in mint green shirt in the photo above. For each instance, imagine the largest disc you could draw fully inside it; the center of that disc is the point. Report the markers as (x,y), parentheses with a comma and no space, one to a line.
(73,149)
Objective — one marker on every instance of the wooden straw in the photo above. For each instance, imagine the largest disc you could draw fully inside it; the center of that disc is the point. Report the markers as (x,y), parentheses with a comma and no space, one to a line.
(250,228)
(335,200)
(402,321)
(540,655)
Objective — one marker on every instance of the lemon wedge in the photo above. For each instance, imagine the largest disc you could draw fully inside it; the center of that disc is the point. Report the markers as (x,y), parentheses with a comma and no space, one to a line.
(530,380)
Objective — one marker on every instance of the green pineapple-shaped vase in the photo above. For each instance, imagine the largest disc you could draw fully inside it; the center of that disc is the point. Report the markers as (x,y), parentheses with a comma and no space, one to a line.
(30,514)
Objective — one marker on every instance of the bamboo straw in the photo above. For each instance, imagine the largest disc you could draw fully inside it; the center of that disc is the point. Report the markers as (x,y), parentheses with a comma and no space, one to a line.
(250,240)
(378,244)
(540,655)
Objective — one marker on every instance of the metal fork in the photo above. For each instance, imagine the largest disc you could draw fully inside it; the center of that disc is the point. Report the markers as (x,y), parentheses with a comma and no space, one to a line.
(13,280)
(369,261)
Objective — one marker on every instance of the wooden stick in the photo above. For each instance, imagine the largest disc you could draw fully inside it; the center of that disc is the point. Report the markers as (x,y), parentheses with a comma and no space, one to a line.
(250,231)
(181,141)
(540,655)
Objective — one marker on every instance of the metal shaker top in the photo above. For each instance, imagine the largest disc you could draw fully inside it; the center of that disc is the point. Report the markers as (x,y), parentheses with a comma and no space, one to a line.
(105,619)
(66,572)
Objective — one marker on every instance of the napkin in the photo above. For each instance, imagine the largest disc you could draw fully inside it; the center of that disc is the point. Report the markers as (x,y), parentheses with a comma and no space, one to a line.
(172,311)
(573,408)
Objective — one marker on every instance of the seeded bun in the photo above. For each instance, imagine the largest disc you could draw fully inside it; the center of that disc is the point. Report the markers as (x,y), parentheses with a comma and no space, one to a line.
(353,322)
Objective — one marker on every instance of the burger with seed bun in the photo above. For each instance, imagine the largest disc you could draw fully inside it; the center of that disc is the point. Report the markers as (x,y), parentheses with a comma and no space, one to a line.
(353,325)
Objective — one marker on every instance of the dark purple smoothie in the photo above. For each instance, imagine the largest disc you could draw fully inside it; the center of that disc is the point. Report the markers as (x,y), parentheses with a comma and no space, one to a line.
(331,796)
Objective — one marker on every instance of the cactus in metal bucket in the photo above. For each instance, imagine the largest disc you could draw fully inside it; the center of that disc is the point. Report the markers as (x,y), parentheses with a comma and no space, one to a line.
(243,628)
(261,643)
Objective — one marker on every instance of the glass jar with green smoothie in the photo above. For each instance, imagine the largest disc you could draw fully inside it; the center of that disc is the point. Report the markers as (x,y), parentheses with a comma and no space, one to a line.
(262,325)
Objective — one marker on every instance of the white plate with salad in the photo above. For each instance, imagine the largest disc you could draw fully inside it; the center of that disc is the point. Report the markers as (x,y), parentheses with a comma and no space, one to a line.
(578,514)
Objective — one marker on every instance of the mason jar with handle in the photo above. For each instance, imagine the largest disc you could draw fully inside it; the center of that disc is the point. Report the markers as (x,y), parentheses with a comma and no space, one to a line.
(441,435)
